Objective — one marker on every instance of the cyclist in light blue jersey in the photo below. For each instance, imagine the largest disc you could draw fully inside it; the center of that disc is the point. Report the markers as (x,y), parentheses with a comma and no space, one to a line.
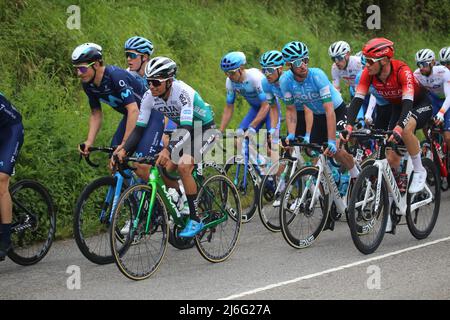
(311,87)
(248,83)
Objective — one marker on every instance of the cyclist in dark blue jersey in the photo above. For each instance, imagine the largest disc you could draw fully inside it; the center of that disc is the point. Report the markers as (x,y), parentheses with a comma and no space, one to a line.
(11,140)
(119,89)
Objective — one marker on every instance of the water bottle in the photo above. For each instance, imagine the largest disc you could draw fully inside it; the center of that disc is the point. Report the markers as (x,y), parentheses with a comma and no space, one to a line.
(345,178)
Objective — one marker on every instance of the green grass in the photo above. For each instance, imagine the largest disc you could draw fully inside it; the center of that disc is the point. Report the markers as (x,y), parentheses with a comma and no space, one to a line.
(36,72)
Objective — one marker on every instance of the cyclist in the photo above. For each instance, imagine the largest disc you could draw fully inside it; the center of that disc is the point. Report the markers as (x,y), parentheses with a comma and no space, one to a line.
(183,105)
(444,55)
(119,89)
(345,66)
(411,108)
(272,63)
(436,79)
(311,87)
(11,140)
(248,83)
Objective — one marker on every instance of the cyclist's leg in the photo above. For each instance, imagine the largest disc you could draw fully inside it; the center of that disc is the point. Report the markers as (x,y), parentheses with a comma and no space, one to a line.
(11,140)
(150,143)
(120,132)
(383,115)
(392,157)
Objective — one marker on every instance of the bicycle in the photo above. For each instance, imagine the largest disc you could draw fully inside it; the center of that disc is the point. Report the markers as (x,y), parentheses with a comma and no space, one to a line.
(369,205)
(139,252)
(33,224)
(246,174)
(435,148)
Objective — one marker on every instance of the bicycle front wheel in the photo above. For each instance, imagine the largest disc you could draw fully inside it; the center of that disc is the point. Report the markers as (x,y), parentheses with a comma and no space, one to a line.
(303,218)
(139,234)
(367,226)
(422,220)
(219,207)
(272,188)
(34,222)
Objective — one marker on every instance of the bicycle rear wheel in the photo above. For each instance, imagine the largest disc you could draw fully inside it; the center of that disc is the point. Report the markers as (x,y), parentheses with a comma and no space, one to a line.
(272,188)
(248,191)
(219,207)
(137,250)
(421,221)
(300,224)
(34,222)
(367,227)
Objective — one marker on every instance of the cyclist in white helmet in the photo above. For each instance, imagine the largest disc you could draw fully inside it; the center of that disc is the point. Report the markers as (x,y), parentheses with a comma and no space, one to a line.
(345,66)
(437,81)
(444,55)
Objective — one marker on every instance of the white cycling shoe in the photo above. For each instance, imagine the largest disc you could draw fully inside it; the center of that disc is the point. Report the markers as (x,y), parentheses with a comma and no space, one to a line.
(418,181)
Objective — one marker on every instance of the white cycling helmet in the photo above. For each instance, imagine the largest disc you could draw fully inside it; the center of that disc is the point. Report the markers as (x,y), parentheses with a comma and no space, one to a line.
(160,67)
(444,55)
(338,48)
(425,55)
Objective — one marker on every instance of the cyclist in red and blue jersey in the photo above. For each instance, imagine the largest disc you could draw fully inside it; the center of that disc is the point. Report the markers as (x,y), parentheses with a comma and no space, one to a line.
(11,140)
(411,107)
(119,89)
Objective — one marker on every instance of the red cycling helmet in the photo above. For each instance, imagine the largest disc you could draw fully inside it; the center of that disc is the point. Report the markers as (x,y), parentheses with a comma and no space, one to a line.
(378,47)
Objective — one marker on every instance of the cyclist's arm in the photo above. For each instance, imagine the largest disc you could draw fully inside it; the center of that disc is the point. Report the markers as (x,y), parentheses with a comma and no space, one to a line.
(95,123)
(132,117)
(370,107)
(291,118)
(446,104)
(274,116)
(361,91)
(261,115)
(331,120)
(406,79)
(226,116)
(336,78)
(309,119)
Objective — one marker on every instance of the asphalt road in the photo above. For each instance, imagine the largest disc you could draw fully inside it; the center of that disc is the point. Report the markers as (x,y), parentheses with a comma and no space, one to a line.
(262,267)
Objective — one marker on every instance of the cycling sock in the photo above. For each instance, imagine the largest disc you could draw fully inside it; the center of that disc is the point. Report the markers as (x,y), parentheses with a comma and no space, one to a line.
(192,207)
(417,163)
(354,172)
(5,234)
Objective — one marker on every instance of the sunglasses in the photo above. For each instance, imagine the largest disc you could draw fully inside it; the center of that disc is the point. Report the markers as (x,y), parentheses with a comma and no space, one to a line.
(83,69)
(299,62)
(423,64)
(371,61)
(445,62)
(337,58)
(132,55)
(156,82)
(231,72)
(267,71)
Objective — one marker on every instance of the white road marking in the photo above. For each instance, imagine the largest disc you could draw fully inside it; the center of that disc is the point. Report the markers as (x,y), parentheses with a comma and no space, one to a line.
(318,274)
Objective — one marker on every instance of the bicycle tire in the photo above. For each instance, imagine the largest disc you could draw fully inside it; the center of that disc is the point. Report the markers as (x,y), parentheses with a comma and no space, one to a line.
(289,219)
(359,233)
(28,234)
(219,196)
(412,217)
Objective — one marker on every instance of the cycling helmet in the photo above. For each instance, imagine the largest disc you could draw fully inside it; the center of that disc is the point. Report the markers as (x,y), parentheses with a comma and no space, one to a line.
(361,56)
(271,58)
(424,55)
(444,55)
(378,48)
(86,53)
(140,45)
(232,61)
(160,67)
(338,48)
(294,50)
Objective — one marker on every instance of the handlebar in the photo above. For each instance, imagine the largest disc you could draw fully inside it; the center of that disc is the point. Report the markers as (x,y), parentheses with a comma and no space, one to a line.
(108,150)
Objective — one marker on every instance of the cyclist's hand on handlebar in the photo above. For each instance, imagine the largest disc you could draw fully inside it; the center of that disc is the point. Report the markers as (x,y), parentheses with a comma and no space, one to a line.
(344,135)
(439,118)
(290,137)
(396,135)
(163,157)
(331,148)
(84,148)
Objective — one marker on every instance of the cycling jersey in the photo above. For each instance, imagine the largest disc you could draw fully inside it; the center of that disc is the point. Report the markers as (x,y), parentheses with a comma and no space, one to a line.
(379,99)
(251,88)
(8,114)
(118,89)
(436,81)
(313,92)
(349,74)
(184,106)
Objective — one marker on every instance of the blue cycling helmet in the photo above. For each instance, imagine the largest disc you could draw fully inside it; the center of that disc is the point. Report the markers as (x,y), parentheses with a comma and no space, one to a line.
(294,50)
(232,61)
(271,58)
(363,59)
(140,45)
